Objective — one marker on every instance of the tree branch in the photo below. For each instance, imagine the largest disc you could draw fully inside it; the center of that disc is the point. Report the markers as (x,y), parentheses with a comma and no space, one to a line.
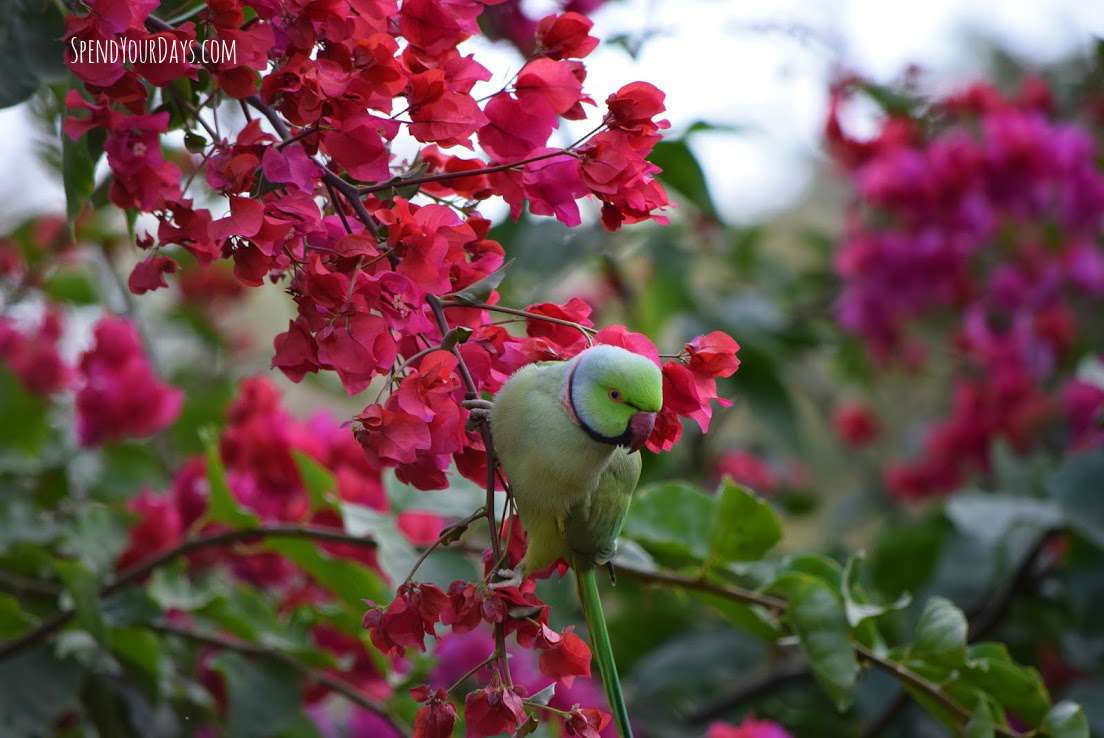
(140,570)
(336,684)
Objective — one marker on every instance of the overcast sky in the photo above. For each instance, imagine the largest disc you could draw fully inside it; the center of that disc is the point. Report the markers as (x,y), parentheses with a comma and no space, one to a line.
(761,66)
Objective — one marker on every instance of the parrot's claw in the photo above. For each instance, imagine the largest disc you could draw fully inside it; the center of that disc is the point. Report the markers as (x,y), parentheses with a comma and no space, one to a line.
(479,412)
(506,578)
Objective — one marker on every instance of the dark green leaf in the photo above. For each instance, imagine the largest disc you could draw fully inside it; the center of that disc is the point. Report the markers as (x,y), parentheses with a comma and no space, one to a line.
(672,519)
(36,688)
(941,632)
(222,507)
(31,52)
(906,556)
(16,402)
(745,526)
(682,173)
(85,591)
(317,479)
(1076,486)
(13,620)
(263,696)
(817,615)
(981,724)
(138,647)
(1019,688)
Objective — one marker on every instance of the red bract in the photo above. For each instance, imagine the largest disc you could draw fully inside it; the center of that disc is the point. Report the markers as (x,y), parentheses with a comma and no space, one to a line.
(492,711)
(565,36)
(564,656)
(409,618)
(34,357)
(586,722)
(855,424)
(436,716)
(119,396)
(158,528)
(149,274)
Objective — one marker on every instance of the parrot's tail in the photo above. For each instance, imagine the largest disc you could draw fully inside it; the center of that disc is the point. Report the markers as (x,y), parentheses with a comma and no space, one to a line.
(587,582)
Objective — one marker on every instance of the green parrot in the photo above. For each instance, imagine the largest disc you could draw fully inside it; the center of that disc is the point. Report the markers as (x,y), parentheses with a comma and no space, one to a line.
(567,434)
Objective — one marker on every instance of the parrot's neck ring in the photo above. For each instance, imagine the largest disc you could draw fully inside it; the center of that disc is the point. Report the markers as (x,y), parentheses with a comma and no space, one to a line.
(568,402)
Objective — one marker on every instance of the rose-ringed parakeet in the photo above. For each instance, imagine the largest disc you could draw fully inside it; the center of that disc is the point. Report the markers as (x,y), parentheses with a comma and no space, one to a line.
(567,434)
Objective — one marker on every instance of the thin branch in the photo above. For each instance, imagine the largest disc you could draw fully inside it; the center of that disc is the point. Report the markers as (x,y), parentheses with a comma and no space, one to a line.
(792,670)
(139,571)
(740,594)
(437,307)
(460,303)
(336,684)
(396,182)
(897,670)
(348,190)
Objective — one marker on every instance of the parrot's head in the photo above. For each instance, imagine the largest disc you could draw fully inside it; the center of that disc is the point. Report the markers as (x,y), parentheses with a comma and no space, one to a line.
(615,395)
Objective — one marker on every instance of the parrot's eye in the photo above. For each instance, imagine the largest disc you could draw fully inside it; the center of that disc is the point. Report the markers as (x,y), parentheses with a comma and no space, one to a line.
(615,395)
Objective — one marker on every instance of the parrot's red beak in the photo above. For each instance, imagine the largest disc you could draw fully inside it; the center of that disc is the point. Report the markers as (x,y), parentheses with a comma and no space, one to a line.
(640,427)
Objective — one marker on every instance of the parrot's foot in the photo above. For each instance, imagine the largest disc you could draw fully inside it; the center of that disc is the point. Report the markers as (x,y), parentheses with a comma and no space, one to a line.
(479,412)
(507,578)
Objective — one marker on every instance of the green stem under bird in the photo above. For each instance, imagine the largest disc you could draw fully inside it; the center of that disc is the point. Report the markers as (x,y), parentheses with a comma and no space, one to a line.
(587,582)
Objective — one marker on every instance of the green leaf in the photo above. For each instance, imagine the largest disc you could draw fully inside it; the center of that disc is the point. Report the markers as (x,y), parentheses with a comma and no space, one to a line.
(1020,689)
(981,724)
(817,615)
(72,286)
(138,647)
(78,169)
(905,557)
(672,519)
(222,507)
(682,173)
(479,291)
(990,517)
(263,696)
(36,688)
(317,479)
(16,402)
(941,632)
(127,469)
(1066,720)
(760,383)
(1076,486)
(13,621)
(857,603)
(349,580)
(85,590)
(97,538)
(745,526)
(395,554)
(31,52)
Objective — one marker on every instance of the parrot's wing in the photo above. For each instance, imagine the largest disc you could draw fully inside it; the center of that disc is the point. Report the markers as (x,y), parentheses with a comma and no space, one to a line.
(592,526)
